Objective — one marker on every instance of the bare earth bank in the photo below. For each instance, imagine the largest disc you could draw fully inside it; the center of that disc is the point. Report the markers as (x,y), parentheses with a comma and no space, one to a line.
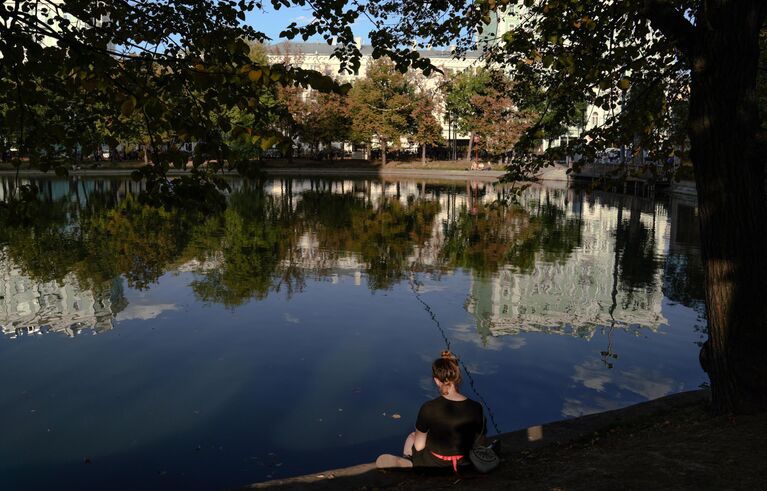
(668,443)
(452,170)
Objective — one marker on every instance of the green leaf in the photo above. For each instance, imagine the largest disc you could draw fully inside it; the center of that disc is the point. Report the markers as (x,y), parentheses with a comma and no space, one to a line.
(128,106)
(268,142)
(624,84)
(255,75)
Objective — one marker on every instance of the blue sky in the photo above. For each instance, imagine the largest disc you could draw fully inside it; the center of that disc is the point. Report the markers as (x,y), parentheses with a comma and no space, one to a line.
(272,22)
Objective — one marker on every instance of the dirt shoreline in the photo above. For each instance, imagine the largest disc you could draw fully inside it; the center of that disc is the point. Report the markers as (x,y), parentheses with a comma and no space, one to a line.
(300,171)
(668,443)
(548,174)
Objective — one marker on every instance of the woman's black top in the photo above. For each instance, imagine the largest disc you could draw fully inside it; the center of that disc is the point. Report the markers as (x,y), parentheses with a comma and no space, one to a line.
(452,426)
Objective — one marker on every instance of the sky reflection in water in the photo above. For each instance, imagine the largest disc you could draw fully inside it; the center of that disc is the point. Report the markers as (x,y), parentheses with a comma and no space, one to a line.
(282,336)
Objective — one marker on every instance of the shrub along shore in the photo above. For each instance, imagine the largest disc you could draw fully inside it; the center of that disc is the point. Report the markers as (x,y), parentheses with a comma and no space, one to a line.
(669,443)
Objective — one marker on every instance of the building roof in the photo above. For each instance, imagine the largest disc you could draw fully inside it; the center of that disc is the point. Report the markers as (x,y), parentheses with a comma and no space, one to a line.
(366,50)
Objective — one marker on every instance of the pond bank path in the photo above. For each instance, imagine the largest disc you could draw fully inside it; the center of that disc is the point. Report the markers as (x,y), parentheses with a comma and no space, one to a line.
(548,174)
(669,443)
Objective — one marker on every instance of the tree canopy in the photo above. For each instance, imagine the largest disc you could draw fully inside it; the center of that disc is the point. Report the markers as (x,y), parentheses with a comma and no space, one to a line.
(381,104)
(162,72)
(170,71)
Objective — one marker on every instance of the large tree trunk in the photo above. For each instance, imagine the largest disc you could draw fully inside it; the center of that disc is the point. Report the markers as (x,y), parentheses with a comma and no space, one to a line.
(471,145)
(423,154)
(729,173)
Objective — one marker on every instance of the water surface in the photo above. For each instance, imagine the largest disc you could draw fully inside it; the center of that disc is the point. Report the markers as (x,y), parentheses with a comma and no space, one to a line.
(147,348)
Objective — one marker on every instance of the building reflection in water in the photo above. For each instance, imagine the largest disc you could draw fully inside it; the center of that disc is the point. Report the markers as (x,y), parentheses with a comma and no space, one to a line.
(592,286)
(28,306)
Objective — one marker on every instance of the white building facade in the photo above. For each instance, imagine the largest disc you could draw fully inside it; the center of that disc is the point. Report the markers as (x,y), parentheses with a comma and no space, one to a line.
(319,56)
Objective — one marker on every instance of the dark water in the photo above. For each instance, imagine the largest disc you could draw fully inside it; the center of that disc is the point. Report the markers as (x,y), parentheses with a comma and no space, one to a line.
(146,348)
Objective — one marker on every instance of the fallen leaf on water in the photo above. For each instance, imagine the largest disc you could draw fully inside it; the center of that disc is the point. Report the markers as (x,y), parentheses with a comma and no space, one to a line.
(395,416)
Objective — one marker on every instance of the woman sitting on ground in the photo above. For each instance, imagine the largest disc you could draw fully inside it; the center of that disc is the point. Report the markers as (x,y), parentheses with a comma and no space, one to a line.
(447,427)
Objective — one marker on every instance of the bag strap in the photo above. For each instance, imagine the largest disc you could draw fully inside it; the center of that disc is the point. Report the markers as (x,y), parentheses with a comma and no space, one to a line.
(481,435)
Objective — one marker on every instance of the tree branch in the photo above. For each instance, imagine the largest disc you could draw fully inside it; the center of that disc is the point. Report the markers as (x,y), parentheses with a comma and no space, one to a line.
(671,23)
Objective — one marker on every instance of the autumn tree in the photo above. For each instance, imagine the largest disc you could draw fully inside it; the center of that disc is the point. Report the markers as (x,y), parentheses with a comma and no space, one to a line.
(327,120)
(459,90)
(496,119)
(294,113)
(292,99)
(425,129)
(381,104)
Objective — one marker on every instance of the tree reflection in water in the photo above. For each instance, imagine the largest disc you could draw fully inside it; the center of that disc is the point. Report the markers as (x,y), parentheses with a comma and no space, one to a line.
(257,245)
(251,238)
(637,249)
(275,235)
(487,237)
(383,235)
(683,280)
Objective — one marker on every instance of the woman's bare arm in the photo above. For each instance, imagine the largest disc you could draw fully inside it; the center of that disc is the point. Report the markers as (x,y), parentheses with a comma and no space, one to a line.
(420,440)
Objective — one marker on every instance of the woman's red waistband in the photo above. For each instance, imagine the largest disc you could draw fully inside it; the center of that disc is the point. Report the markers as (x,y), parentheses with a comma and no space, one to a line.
(450,458)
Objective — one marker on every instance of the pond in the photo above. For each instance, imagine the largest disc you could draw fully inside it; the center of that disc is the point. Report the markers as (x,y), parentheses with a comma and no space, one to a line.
(149,348)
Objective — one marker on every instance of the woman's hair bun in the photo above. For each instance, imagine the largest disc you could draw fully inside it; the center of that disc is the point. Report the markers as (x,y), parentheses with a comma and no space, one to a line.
(448,355)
